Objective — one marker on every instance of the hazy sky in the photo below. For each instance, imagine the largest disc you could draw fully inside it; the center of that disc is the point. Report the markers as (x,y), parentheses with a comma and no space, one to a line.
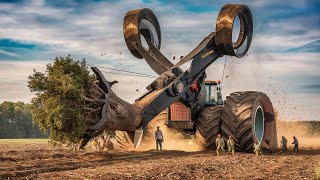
(283,60)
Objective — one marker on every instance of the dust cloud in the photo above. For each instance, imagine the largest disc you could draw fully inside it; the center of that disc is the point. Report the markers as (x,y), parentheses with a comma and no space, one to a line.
(307,132)
(173,140)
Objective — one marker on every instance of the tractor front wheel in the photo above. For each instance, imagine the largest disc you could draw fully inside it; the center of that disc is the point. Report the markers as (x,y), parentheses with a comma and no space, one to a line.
(207,127)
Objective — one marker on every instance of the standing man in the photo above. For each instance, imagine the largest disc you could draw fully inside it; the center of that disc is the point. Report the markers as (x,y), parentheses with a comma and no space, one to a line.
(159,137)
(95,144)
(256,147)
(284,142)
(109,144)
(296,145)
(230,144)
(220,144)
(102,143)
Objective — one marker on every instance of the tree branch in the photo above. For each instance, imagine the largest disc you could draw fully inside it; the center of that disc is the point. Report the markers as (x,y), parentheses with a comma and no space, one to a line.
(90,100)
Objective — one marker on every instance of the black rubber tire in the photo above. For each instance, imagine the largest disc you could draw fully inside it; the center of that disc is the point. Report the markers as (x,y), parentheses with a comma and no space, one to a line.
(237,120)
(207,127)
(125,139)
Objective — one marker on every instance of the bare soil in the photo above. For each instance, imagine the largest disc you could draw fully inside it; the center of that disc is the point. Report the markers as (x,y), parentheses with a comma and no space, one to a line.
(29,161)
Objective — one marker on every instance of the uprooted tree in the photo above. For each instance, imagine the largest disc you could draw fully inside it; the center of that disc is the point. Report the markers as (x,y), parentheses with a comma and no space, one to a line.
(69,101)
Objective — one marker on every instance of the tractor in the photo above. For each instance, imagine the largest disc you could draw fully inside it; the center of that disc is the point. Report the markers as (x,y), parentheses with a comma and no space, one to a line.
(185,101)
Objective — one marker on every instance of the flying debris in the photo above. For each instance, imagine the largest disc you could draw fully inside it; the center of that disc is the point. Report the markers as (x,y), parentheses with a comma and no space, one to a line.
(113,82)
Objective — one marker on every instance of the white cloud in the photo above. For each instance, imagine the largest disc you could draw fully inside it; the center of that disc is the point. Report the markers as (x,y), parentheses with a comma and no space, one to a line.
(97,28)
(9,53)
(272,75)
(14,77)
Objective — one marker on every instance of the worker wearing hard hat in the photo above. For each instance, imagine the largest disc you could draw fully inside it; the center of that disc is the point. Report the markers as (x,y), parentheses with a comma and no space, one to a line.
(296,145)
(284,142)
(230,144)
(257,147)
(219,144)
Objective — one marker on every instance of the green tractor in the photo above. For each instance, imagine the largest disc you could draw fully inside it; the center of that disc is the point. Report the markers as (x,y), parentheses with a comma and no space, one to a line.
(213,93)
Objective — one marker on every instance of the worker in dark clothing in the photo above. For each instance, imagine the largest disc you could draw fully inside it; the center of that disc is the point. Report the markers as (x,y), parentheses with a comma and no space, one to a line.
(284,142)
(296,144)
(159,137)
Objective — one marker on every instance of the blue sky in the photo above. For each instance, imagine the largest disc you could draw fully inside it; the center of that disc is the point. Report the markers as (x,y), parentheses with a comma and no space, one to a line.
(283,60)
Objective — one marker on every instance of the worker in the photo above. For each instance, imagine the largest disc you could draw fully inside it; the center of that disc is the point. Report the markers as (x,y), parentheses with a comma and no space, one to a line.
(219,144)
(159,138)
(95,144)
(284,142)
(194,86)
(109,144)
(230,144)
(102,143)
(296,145)
(256,147)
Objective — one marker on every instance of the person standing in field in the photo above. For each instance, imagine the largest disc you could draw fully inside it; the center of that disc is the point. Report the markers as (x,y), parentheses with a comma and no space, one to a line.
(95,144)
(159,138)
(109,144)
(284,142)
(230,144)
(296,145)
(257,148)
(102,143)
(219,144)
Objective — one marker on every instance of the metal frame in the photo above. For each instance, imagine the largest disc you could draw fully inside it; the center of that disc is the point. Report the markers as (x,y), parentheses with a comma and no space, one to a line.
(164,90)
(215,45)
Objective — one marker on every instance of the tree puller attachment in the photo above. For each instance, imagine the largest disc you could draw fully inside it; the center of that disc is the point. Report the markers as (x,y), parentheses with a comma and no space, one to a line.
(184,100)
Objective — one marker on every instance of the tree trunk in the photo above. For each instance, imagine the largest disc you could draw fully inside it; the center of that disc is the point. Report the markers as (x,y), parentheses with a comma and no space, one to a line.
(122,115)
(104,110)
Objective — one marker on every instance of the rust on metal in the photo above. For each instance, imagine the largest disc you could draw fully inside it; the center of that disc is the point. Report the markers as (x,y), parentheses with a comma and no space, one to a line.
(132,29)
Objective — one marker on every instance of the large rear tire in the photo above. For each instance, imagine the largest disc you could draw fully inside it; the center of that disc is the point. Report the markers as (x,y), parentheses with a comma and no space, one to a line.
(207,127)
(248,116)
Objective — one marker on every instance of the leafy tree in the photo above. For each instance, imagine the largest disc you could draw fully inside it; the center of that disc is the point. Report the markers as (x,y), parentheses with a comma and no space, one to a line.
(69,100)
(16,121)
(59,103)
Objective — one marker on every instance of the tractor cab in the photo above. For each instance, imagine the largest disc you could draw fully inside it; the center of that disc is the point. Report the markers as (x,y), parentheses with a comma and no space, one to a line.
(180,116)
(213,93)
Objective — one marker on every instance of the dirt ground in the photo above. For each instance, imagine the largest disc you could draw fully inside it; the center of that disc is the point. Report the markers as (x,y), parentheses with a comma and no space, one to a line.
(29,161)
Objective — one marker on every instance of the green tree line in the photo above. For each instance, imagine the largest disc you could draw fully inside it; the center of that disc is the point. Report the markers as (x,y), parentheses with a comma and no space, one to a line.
(16,121)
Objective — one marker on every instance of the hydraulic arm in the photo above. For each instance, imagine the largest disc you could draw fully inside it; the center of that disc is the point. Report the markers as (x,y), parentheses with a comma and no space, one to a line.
(173,84)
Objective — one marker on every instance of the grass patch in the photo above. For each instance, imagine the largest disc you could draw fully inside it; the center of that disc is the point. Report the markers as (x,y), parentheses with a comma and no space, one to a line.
(24,141)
